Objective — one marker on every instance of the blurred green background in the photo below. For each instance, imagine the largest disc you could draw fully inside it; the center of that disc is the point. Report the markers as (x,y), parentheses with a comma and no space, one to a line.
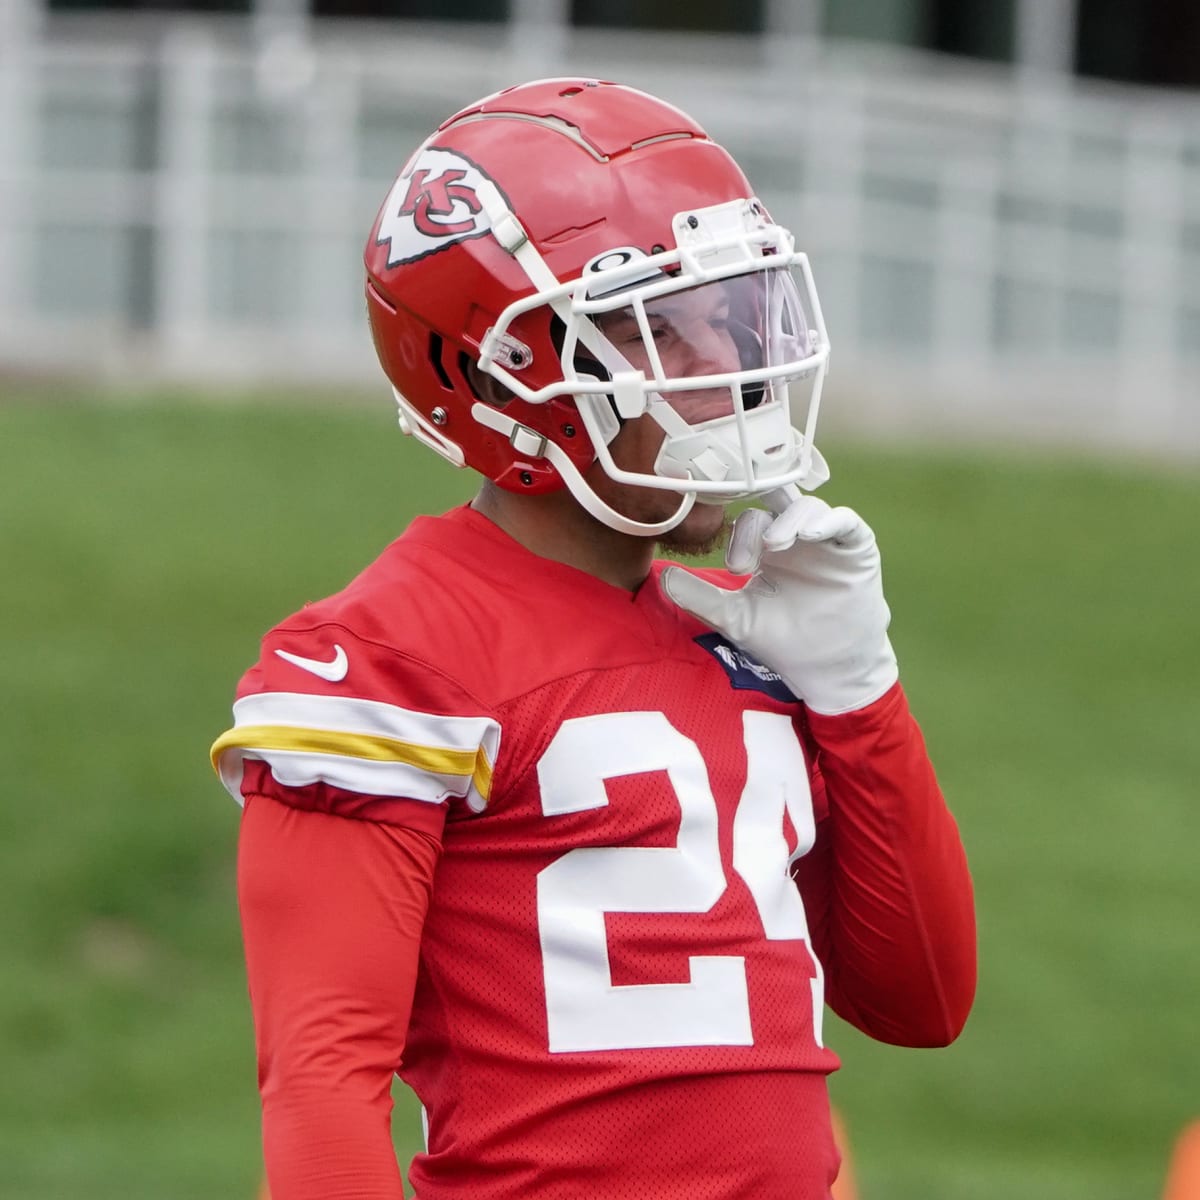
(1045,617)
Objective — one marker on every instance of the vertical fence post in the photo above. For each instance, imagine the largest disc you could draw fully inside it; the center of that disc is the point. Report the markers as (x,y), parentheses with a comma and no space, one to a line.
(538,32)
(833,148)
(1045,35)
(790,27)
(20,67)
(332,173)
(186,68)
(1149,268)
(965,259)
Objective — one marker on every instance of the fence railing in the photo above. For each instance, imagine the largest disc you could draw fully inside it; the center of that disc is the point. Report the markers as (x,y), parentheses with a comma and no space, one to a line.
(995,252)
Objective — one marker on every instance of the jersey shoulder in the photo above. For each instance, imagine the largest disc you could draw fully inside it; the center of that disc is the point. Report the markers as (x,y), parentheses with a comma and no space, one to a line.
(367,693)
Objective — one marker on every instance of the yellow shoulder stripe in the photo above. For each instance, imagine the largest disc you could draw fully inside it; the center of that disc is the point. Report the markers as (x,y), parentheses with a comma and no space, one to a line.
(472,764)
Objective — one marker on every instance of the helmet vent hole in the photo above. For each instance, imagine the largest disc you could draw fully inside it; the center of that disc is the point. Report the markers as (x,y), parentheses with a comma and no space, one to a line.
(435,359)
(571,91)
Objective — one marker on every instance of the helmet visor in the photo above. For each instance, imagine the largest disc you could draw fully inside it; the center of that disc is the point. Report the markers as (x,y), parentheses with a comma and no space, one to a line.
(727,368)
(705,348)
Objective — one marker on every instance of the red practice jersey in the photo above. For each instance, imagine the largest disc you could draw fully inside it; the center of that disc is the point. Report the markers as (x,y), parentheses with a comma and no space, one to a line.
(619,986)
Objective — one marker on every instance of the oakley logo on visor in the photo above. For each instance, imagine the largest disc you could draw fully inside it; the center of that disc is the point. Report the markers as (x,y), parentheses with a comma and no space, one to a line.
(623,264)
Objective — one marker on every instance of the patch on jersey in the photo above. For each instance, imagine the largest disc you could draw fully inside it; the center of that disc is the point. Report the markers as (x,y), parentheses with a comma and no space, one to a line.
(745,672)
(434,204)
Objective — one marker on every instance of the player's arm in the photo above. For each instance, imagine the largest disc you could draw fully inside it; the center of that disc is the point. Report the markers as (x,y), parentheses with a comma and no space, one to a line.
(347,754)
(886,886)
(331,911)
(888,877)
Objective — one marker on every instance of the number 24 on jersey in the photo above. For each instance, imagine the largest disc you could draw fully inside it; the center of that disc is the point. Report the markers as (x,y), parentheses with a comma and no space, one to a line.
(584,1009)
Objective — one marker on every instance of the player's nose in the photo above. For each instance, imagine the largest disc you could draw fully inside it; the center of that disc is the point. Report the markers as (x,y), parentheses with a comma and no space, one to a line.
(713,351)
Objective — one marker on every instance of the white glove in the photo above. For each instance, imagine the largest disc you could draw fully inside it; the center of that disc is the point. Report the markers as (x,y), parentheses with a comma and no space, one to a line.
(813,610)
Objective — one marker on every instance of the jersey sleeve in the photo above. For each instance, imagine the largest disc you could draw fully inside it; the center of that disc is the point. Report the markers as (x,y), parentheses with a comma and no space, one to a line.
(887,884)
(331,913)
(333,722)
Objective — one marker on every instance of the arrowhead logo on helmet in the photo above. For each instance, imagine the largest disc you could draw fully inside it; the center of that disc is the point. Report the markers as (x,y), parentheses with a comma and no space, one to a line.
(434,204)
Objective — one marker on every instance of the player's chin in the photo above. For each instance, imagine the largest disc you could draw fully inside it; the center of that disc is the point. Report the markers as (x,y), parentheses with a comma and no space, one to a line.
(704,530)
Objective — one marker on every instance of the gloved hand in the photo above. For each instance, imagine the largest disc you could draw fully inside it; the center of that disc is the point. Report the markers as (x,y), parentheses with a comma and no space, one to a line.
(813,610)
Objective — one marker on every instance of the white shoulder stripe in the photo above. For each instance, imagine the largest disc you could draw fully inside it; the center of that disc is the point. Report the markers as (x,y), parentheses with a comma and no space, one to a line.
(362,746)
(353,715)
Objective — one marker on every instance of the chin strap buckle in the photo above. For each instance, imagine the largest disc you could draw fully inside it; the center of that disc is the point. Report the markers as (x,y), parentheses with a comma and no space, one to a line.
(527,441)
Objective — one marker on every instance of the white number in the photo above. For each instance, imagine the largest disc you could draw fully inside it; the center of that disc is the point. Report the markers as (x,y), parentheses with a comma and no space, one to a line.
(585,1010)
(776,781)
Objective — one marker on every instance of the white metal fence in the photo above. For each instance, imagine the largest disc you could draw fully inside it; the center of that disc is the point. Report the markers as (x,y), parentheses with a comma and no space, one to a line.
(996,252)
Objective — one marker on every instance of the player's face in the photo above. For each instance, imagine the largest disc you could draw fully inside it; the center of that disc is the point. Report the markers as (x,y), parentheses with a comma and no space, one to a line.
(691,332)
(692,336)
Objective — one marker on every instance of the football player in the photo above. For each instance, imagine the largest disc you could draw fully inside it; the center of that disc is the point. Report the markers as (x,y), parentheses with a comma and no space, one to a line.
(576,841)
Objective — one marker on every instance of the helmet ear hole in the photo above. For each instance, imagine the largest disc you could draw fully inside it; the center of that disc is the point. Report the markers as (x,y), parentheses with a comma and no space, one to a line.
(484,387)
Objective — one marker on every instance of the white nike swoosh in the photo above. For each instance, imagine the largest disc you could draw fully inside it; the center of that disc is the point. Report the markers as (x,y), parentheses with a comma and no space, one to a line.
(334,670)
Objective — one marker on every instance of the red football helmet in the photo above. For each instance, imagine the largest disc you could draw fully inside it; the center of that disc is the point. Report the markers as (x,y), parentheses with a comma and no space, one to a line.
(591,248)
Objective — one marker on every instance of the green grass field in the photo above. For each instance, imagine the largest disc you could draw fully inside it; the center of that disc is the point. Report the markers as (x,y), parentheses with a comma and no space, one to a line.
(1045,617)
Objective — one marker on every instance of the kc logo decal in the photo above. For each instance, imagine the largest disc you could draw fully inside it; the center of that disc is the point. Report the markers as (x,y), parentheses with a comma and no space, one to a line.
(434,204)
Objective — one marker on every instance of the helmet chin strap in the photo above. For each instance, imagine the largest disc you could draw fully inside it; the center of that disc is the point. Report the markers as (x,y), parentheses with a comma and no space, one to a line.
(605,513)
(579,487)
